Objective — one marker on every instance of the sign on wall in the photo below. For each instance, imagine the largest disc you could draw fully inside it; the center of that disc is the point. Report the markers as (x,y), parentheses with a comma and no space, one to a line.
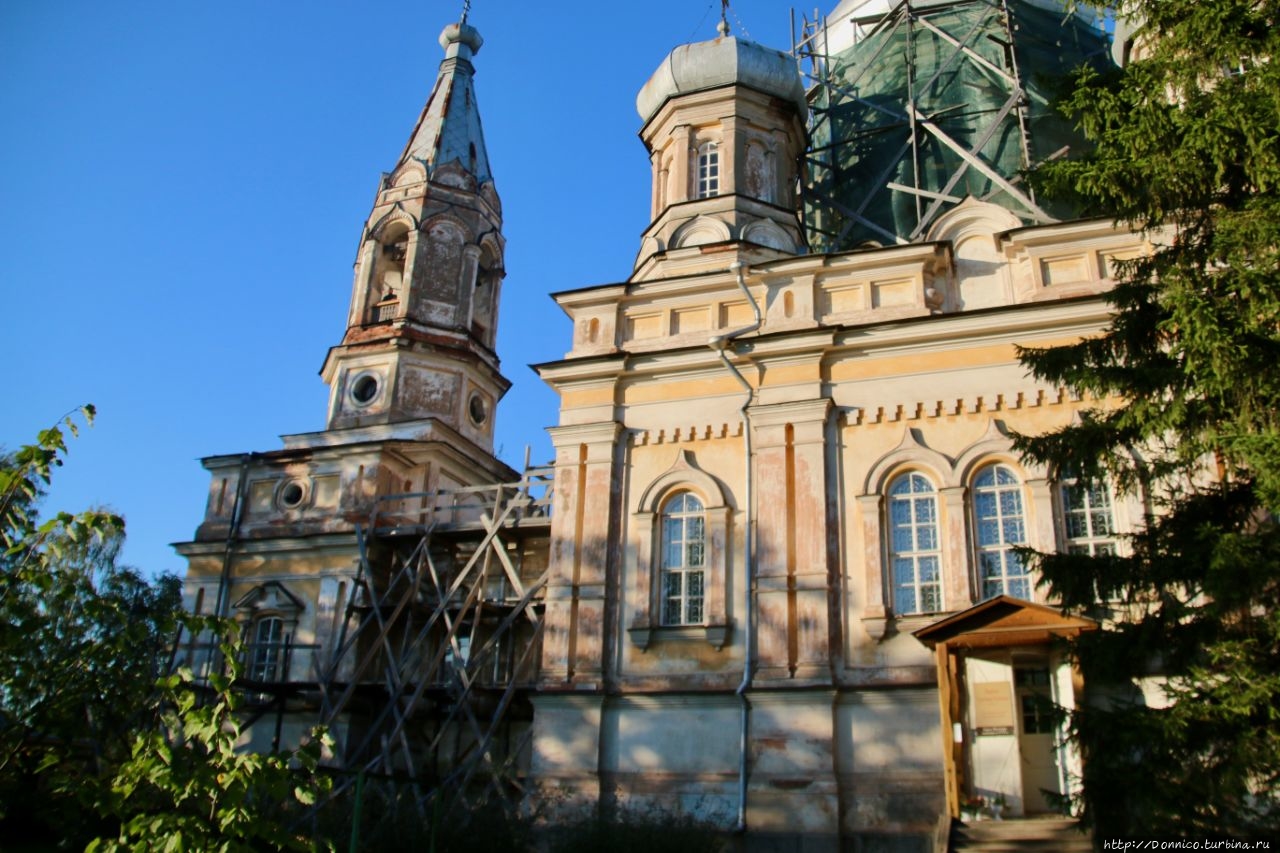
(993,708)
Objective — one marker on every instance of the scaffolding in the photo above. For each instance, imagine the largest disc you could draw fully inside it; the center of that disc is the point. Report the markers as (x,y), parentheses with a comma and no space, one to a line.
(426,681)
(424,687)
(933,102)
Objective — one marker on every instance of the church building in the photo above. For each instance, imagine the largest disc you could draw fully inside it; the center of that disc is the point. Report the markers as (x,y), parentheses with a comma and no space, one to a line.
(772,579)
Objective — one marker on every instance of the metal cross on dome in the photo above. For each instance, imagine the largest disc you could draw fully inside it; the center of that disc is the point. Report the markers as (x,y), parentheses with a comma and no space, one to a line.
(466,9)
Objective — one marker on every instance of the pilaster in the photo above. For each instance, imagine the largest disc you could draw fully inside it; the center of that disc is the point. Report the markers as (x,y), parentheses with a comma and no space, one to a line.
(581,527)
(957,590)
(793,560)
(1040,531)
(733,150)
(682,147)
(874,609)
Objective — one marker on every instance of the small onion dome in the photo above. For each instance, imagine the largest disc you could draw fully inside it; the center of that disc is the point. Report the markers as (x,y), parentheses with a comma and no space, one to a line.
(460,40)
(723,61)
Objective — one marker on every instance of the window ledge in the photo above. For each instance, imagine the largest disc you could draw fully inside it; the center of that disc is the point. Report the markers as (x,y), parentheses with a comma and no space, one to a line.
(714,635)
(914,621)
(878,625)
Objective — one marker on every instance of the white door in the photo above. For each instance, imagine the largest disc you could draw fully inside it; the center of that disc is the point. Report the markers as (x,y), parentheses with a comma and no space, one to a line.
(1037,731)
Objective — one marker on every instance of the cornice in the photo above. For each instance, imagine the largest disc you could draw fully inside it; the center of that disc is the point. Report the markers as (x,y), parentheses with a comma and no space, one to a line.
(1006,324)
(317,543)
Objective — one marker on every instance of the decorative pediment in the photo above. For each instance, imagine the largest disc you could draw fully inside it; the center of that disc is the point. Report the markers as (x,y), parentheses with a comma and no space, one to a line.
(685,473)
(270,597)
(910,452)
(396,214)
(1003,621)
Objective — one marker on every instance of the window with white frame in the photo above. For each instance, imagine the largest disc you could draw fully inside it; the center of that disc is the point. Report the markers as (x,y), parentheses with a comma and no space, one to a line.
(708,170)
(1088,525)
(266,653)
(999,527)
(914,556)
(683,560)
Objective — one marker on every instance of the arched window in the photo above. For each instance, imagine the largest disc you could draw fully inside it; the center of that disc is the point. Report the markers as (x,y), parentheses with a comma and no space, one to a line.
(684,548)
(708,170)
(914,555)
(388,277)
(1087,523)
(999,526)
(266,653)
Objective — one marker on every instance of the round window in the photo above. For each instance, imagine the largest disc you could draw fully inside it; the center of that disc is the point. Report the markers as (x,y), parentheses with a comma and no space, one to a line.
(477,409)
(292,494)
(364,389)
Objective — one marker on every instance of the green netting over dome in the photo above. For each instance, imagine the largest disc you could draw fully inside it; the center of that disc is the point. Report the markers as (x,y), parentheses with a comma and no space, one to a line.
(936,102)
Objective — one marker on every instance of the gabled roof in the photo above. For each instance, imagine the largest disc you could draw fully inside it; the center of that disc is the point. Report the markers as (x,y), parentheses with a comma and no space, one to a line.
(1003,621)
(448,130)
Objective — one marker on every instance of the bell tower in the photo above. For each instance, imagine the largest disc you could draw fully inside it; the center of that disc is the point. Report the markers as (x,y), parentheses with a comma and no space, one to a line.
(419,344)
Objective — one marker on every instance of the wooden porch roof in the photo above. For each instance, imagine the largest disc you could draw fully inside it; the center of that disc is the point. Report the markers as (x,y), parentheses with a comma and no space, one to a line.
(1003,621)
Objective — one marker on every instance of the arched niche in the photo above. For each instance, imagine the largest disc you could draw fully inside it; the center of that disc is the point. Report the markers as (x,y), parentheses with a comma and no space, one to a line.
(447,257)
(759,176)
(766,232)
(700,231)
(980,268)
(484,296)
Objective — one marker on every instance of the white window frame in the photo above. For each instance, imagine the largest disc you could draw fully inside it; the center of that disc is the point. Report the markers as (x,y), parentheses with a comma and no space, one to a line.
(682,581)
(268,654)
(1094,512)
(707,176)
(1002,503)
(919,496)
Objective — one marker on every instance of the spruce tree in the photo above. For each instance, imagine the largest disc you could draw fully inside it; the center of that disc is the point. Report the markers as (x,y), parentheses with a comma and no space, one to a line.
(1180,732)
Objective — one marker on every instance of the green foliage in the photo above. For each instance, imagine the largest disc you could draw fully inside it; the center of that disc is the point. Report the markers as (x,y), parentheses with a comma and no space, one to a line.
(1187,148)
(22,479)
(82,640)
(91,743)
(186,786)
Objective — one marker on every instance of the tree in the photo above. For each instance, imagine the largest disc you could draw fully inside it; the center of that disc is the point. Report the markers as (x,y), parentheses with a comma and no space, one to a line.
(1187,149)
(186,786)
(82,641)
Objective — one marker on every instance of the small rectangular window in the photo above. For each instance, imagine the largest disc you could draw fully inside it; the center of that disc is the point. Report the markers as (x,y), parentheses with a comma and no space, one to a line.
(708,171)
(1087,522)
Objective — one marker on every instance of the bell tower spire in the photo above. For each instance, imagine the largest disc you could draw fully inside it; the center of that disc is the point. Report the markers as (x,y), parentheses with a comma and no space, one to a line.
(419,344)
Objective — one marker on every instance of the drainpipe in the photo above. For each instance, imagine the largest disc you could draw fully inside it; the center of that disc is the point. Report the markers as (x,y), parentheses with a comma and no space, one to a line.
(720,343)
(233,534)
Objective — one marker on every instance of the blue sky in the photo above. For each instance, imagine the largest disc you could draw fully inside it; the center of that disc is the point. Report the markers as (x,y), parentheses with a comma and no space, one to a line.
(182,187)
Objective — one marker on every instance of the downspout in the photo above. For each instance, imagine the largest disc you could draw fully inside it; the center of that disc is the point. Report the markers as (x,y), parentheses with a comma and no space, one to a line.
(720,343)
(233,534)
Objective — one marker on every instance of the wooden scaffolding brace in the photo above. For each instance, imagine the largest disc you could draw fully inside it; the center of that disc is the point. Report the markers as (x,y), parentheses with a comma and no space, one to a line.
(411,648)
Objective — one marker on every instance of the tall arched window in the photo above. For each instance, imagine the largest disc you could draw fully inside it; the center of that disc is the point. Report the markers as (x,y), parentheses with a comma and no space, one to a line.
(684,548)
(999,526)
(708,170)
(914,555)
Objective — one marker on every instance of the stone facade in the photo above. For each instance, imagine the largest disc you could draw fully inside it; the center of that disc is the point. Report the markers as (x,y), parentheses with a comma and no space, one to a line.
(792,396)
(772,468)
